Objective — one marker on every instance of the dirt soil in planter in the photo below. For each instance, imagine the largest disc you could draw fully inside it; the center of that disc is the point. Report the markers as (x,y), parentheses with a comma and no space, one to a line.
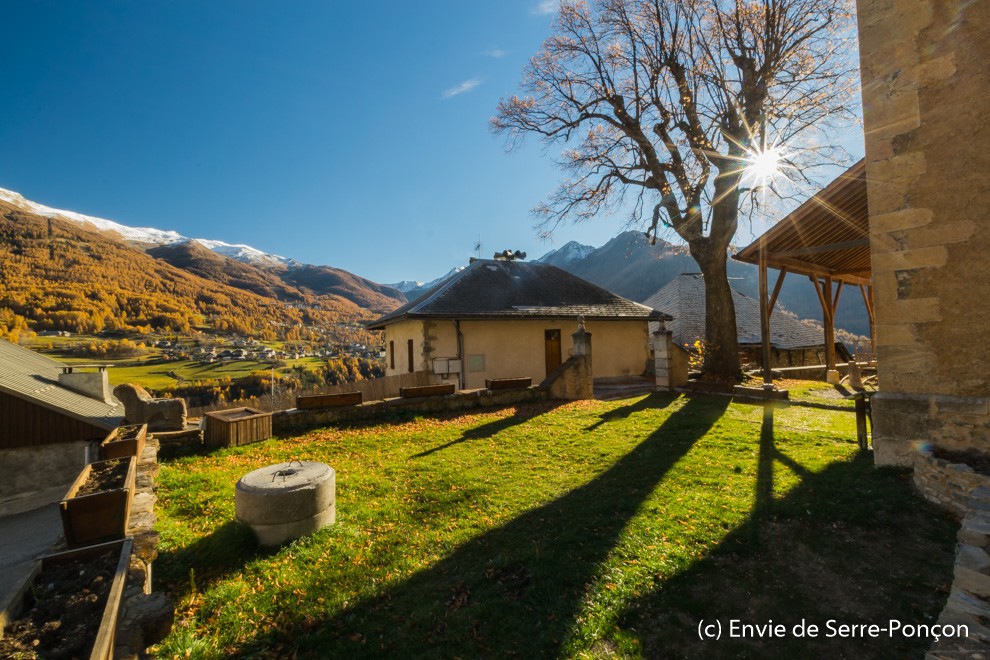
(105,476)
(127,432)
(64,620)
(974,459)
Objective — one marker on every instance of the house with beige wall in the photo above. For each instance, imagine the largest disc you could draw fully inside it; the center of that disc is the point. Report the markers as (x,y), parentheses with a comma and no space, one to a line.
(511,319)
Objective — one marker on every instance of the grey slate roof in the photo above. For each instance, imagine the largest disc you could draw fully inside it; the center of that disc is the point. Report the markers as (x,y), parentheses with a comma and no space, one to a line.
(684,299)
(489,289)
(34,377)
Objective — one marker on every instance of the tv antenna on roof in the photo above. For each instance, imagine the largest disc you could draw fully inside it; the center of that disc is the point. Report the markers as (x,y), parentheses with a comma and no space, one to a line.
(477,246)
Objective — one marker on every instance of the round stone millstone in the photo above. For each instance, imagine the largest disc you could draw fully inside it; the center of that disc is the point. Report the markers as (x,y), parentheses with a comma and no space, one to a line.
(285,501)
(271,535)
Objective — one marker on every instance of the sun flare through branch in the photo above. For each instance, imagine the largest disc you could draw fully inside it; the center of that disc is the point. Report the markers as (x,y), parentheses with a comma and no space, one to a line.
(762,166)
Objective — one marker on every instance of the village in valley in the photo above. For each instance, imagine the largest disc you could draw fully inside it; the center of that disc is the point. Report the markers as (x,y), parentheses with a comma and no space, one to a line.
(744,414)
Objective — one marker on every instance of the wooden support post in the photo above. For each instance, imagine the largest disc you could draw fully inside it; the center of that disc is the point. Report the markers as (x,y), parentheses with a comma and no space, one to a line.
(829,326)
(835,301)
(824,291)
(765,317)
(776,289)
(861,436)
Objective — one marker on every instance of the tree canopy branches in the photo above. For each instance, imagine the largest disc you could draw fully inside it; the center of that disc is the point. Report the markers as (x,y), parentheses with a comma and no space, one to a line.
(658,96)
(671,100)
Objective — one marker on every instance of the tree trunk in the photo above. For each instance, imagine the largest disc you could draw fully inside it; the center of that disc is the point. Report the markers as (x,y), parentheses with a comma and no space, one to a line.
(721,352)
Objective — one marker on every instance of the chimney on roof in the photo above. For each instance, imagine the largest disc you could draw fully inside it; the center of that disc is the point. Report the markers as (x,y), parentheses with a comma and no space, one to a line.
(93,384)
(509,255)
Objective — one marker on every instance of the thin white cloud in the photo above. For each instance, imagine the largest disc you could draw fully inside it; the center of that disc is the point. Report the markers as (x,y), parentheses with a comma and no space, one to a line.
(463,88)
(497,53)
(546,7)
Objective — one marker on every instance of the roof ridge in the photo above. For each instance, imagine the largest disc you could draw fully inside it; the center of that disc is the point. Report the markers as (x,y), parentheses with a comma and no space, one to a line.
(443,287)
(517,289)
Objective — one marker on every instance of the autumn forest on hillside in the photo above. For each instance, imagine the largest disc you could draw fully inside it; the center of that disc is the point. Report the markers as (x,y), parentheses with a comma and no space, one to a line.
(82,295)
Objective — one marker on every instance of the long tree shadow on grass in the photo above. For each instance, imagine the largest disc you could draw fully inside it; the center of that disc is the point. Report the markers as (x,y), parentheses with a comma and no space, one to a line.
(513,591)
(651,402)
(522,414)
(851,543)
(770,454)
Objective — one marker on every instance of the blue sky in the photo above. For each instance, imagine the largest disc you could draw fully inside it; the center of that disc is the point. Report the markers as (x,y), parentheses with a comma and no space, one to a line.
(340,133)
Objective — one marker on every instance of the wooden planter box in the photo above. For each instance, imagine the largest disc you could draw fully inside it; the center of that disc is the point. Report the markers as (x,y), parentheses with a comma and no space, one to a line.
(106,626)
(124,441)
(235,427)
(328,400)
(425,390)
(99,516)
(508,383)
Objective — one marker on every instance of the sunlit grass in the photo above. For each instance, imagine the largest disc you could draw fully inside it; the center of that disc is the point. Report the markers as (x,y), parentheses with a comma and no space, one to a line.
(542,530)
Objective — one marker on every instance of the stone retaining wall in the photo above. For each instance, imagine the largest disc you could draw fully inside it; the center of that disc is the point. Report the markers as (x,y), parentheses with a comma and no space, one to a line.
(290,421)
(966,494)
(145,617)
(31,477)
(950,485)
(969,599)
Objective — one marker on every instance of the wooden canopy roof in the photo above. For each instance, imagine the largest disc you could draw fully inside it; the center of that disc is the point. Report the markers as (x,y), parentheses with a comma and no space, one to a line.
(827,236)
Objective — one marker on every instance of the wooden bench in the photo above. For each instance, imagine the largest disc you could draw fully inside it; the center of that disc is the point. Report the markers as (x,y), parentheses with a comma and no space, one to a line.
(508,383)
(312,401)
(425,390)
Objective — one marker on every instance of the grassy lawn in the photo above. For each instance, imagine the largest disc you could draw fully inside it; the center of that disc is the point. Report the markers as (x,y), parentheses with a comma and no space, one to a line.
(585,529)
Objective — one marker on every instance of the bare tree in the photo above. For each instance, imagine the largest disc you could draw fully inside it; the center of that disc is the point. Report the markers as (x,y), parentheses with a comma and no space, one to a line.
(685,105)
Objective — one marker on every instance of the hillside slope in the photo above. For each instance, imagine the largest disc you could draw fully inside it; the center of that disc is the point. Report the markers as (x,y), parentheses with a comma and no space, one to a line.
(326,280)
(56,274)
(237,265)
(193,257)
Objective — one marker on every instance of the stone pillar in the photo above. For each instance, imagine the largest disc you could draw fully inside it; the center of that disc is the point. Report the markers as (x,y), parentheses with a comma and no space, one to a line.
(582,340)
(925,87)
(663,358)
(574,379)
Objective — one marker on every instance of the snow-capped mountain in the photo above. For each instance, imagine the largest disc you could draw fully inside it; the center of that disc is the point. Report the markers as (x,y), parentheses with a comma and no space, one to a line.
(566,254)
(414,289)
(405,286)
(140,234)
(244,253)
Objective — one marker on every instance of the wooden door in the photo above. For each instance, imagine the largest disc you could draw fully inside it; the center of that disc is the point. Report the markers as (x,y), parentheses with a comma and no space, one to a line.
(551,340)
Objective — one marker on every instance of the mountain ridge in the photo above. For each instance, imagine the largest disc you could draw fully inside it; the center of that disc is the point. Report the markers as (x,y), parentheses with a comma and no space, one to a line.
(629,266)
(567,253)
(246,267)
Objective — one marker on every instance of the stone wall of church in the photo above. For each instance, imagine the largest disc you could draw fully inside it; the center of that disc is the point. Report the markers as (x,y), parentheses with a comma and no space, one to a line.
(925,90)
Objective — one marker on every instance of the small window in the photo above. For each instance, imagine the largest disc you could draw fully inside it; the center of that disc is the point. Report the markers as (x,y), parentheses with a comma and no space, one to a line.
(476,363)
(409,346)
(391,355)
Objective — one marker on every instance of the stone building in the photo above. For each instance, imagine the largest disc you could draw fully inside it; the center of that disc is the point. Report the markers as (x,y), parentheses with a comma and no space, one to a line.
(793,342)
(925,90)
